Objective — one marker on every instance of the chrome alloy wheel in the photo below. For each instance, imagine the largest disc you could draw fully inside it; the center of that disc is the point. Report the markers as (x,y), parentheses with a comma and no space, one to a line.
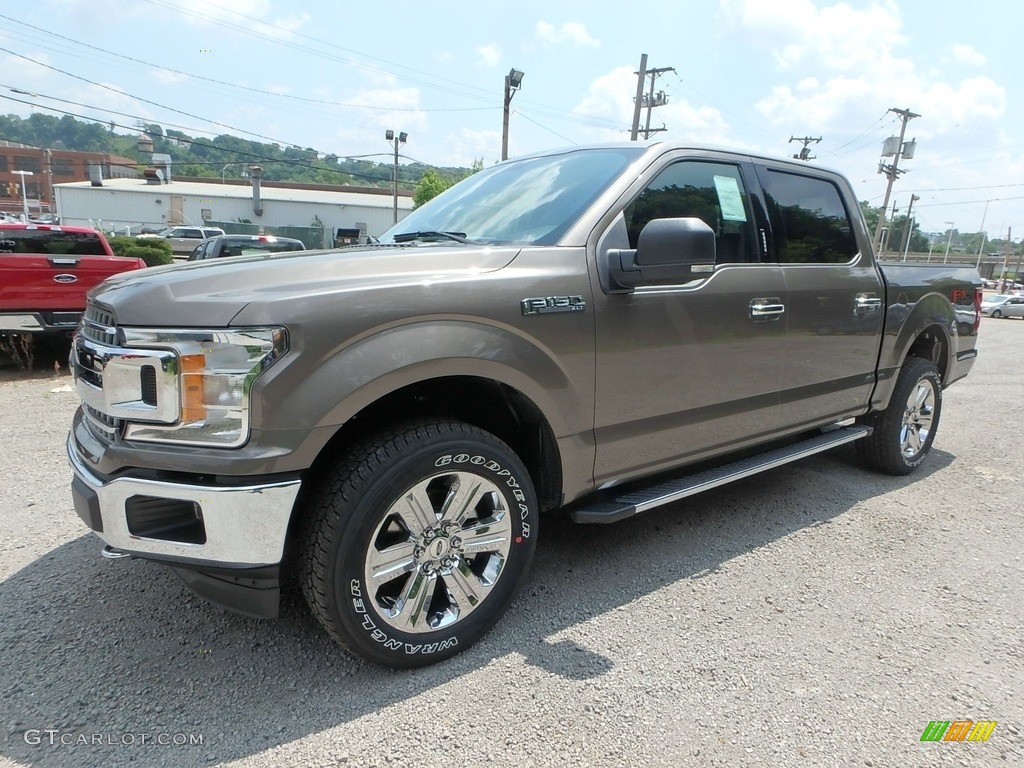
(917,418)
(438,551)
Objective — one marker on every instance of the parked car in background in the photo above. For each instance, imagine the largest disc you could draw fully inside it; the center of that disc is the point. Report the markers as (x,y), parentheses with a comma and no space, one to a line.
(1003,305)
(243,245)
(184,239)
(45,272)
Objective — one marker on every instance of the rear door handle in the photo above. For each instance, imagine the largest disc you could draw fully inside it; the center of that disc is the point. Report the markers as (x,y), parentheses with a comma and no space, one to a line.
(767,309)
(867,303)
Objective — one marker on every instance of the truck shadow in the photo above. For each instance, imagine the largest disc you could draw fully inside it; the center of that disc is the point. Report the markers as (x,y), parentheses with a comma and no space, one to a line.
(94,646)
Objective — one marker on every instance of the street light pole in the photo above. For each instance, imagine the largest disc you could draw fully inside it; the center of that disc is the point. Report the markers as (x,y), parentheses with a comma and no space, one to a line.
(984,235)
(513,81)
(399,139)
(949,241)
(24,195)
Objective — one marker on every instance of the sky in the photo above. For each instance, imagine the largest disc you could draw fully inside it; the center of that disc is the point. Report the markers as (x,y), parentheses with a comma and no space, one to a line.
(334,75)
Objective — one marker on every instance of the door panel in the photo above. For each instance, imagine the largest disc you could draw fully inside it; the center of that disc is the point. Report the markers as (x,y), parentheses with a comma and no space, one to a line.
(835,297)
(833,339)
(684,371)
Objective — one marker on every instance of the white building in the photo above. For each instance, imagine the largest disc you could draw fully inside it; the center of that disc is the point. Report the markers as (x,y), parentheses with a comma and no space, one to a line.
(117,204)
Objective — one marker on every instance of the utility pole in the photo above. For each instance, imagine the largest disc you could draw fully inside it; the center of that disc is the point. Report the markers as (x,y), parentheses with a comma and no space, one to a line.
(883,245)
(805,153)
(49,182)
(897,149)
(655,100)
(638,99)
(649,100)
(1006,252)
(391,138)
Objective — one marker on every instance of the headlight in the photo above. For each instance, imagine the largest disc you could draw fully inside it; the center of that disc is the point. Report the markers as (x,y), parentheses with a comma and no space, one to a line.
(215,371)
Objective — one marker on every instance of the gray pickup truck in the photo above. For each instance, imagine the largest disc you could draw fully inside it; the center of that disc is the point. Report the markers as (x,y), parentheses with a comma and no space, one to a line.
(599,330)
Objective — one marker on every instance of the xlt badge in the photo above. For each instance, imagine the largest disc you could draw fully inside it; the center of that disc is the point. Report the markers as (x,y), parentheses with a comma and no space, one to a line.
(544,304)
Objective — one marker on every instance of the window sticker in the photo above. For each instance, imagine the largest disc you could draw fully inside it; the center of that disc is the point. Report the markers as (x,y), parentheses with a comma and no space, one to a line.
(730,199)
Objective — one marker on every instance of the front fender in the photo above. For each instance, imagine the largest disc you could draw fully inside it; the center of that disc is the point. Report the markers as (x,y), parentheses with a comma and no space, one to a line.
(383,360)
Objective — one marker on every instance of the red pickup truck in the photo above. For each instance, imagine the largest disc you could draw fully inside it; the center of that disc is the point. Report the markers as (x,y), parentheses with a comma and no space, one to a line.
(45,273)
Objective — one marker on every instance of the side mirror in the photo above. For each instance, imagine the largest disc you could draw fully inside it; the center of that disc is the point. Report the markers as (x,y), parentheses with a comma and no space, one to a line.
(668,251)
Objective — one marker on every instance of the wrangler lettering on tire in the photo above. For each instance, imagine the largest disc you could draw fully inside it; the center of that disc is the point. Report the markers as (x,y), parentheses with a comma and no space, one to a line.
(417,542)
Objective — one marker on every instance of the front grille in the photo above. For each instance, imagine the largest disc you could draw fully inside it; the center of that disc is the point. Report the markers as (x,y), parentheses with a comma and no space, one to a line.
(107,426)
(98,325)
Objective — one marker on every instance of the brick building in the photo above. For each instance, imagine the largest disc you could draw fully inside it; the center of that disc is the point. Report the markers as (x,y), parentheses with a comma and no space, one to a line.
(49,167)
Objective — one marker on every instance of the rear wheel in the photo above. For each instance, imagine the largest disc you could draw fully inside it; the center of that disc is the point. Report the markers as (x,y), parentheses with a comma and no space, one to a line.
(904,432)
(417,542)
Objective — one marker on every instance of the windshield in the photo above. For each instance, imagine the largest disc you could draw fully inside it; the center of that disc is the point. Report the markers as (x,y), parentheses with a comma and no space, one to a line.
(532,201)
(996,299)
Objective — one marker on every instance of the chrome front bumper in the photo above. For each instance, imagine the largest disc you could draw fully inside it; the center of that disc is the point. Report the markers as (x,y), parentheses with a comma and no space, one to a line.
(244,526)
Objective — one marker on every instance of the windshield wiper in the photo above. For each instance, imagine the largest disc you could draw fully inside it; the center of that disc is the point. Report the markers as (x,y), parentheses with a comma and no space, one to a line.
(458,237)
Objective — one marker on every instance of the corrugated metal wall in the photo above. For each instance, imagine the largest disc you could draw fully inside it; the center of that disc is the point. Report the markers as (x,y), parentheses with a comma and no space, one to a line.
(114,209)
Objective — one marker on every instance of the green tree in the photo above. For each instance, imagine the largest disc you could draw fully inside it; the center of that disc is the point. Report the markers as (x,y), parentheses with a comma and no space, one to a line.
(431,184)
(870,216)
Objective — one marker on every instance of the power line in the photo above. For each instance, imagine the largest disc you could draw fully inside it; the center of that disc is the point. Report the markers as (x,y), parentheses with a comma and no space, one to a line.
(143,100)
(239,86)
(527,117)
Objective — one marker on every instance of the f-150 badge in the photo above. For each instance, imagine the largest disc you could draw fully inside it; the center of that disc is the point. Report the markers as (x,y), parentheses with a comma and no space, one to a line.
(544,304)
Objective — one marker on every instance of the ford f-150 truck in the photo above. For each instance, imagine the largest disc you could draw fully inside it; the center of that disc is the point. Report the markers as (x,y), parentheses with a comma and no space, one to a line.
(45,272)
(599,330)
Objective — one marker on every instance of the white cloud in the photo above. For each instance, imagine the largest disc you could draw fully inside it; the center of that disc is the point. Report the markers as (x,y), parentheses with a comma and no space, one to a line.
(167,77)
(610,98)
(840,37)
(404,101)
(860,67)
(965,54)
(252,15)
(490,55)
(571,32)
(463,147)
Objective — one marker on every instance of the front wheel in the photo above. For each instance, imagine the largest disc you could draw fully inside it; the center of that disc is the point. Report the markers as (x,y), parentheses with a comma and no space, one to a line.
(996,313)
(904,432)
(417,542)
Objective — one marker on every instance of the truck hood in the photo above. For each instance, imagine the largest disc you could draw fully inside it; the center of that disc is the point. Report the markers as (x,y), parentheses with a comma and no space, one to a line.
(211,293)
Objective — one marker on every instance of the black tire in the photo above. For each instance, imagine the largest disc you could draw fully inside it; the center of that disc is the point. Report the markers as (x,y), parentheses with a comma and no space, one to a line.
(904,432)
(996,313)
(441,583)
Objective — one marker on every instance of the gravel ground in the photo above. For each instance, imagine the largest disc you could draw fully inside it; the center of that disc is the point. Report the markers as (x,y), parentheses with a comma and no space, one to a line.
(816,615)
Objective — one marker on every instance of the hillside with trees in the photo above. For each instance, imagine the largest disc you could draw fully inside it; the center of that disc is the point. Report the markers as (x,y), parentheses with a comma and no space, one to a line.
(207,157)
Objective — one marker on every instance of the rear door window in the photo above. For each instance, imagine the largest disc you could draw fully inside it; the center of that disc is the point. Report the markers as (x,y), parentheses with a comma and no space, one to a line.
(51,243)
(810,224)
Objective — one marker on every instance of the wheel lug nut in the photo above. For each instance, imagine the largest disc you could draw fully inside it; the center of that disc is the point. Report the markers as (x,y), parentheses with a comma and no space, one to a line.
(456,542)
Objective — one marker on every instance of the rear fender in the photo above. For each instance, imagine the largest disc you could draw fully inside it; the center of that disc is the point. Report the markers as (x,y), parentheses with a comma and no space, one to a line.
(905,324)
